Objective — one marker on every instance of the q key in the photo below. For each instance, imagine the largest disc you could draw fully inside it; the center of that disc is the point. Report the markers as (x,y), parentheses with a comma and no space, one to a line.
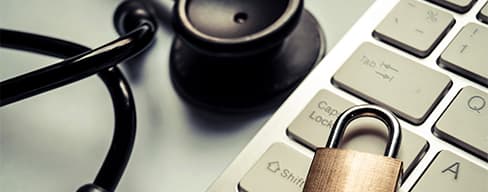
(464,121)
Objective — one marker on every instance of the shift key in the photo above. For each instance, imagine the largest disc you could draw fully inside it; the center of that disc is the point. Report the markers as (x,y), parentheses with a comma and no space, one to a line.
(407,88)
(281,168)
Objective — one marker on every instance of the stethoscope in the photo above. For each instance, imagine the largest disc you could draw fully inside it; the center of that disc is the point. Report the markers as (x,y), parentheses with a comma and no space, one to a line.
(210,67)
(137,29)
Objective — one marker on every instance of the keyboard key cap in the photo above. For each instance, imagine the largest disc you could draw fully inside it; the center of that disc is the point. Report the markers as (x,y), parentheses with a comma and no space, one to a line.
(483,15)
(313,124)
(467,53)
(312,127)
(460,6)
(451,173)
(407,88)
(414,26)
(464,121)
(281,168)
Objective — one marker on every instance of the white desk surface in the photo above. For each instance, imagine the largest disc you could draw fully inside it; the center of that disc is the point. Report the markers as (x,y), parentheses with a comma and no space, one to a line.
(56,141)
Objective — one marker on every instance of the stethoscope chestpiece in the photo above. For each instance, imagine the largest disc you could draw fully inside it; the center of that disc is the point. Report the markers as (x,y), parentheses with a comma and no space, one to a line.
(242,55)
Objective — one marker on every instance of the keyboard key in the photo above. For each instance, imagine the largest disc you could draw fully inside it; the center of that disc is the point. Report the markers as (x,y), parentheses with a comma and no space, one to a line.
(281,168)
(483,15)
(466,54)
(451,173)
(464,121)
(312,128)
(460,6)
(414,26)
(407,88)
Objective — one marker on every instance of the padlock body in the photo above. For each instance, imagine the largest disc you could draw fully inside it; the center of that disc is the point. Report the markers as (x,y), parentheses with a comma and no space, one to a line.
(339,170)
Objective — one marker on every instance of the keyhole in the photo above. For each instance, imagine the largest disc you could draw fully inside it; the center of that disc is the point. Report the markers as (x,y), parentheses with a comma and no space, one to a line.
(240,17)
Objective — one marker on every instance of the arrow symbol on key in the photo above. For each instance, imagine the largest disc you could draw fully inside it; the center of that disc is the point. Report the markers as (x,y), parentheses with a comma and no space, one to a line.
(274,166)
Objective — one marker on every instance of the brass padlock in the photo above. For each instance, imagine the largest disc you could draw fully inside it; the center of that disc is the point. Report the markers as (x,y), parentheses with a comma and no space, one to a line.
(339,170)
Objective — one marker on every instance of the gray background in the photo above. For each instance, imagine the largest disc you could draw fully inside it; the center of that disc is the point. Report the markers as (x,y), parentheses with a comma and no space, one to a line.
(56,141)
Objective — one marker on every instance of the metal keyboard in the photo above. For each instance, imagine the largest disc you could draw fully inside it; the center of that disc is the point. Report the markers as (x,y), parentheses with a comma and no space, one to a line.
(426,61)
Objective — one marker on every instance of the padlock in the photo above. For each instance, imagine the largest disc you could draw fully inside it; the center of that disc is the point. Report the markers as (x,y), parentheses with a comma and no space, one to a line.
(339,170)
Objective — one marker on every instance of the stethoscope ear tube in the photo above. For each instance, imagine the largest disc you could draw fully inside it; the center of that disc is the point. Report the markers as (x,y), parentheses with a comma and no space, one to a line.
(122,99)
(74,68)
(82,62)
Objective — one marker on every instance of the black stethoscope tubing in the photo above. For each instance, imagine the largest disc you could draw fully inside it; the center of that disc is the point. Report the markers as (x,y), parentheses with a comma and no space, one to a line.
(81,62)
(72,69)
(121,95)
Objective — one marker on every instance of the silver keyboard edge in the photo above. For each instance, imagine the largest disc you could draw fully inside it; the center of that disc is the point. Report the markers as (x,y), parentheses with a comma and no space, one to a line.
(275,128)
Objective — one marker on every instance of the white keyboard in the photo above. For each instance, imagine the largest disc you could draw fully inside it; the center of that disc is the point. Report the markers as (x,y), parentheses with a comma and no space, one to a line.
(426,61)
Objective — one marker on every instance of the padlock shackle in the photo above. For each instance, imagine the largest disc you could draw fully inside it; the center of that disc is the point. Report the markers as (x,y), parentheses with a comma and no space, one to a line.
(394,132)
